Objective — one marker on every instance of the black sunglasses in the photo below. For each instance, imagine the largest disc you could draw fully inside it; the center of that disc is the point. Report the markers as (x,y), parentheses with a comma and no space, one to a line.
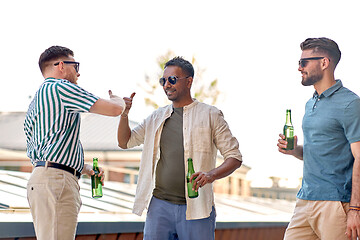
(303,61)
(171,79)
(76,66)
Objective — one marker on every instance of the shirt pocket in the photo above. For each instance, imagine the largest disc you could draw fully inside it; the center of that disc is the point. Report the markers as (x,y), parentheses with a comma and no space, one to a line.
(202,139)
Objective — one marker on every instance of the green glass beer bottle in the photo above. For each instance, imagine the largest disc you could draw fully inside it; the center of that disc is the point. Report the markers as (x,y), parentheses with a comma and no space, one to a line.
(96,186)
(191,171)
(289,131)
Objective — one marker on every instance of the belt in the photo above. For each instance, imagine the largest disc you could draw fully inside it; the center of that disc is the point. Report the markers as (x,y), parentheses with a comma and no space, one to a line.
(58,166)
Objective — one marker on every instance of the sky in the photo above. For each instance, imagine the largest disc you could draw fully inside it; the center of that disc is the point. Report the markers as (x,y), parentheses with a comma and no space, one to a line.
(251,47)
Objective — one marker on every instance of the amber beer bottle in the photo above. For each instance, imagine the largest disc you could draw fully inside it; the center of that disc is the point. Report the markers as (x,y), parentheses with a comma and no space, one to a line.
(289,131)
(191,171)
(96,186)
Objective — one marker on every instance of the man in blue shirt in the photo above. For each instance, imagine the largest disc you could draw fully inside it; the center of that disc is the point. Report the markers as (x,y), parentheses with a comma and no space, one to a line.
(328,203)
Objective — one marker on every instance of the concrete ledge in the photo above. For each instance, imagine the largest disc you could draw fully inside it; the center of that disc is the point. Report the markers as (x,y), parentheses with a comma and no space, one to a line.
(26,229)
(239,225)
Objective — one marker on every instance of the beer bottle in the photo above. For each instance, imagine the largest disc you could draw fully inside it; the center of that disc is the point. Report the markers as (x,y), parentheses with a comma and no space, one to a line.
(289,131)
(191,193)
(96,186)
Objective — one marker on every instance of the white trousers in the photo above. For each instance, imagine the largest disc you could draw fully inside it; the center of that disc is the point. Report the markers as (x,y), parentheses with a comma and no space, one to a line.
(55,202)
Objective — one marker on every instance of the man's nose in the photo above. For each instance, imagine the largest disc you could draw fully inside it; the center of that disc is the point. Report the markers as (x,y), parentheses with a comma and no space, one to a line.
(167,84)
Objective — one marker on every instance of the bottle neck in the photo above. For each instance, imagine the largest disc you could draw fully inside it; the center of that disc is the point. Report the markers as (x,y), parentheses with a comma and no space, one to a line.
(95,163)
(288,118)
(190,165)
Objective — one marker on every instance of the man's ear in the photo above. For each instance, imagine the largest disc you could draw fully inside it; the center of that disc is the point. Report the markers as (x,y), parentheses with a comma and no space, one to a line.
(325,63)
(190,81)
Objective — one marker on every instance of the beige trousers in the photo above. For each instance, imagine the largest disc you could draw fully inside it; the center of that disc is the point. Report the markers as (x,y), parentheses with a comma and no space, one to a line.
(54,200)
(313,220)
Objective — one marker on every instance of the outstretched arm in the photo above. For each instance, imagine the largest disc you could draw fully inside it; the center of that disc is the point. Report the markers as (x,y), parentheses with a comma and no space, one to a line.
(113,107)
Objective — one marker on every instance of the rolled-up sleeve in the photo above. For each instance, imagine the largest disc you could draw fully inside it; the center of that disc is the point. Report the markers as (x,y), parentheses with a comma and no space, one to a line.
(223,138)
(137,135)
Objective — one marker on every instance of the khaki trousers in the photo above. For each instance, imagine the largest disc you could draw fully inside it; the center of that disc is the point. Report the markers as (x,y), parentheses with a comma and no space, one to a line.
(54,200)
(312,220)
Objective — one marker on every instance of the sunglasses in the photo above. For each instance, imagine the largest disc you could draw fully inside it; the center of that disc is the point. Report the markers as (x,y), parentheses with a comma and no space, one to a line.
(76,66)
(172,80)
(304,61)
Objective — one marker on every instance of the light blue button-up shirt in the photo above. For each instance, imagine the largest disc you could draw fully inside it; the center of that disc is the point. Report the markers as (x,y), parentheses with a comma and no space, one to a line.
(330,124)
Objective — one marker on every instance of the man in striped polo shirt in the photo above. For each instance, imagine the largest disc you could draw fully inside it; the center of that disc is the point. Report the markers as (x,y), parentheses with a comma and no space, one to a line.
(52,127)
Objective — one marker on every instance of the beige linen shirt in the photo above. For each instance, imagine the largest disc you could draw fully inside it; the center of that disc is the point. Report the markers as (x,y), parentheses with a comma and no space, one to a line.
(205,131)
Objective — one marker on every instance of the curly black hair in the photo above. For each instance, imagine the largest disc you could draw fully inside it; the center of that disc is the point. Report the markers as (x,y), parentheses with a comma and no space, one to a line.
(185,65)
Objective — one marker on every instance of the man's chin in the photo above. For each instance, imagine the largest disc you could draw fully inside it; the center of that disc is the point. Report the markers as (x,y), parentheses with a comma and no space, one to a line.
(309,82)
(305,83)
(171,97)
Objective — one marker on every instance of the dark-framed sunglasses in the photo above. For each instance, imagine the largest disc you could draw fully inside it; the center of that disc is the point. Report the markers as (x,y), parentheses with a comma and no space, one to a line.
(76,64)
(172,80)
(304,61)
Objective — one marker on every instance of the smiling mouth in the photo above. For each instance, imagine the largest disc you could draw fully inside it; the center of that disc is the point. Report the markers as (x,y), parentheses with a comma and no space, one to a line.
(169,92)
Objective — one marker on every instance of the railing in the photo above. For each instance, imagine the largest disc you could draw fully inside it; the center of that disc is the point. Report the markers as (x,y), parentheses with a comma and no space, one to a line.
(107,169)
(134,230)
(131,172)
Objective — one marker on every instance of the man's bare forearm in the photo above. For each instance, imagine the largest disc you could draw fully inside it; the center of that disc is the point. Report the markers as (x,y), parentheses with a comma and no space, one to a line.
(124,131)
(355,190)
(299,152)
(226,168)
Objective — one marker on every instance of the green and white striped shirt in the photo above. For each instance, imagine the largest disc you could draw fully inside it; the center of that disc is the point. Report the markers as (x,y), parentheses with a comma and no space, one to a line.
(52,123)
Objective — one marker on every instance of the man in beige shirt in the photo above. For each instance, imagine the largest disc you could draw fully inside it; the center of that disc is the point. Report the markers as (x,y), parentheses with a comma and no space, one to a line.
(172,134)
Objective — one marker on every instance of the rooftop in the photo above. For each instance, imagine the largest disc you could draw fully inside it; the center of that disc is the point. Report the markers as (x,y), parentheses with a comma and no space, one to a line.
(117,202)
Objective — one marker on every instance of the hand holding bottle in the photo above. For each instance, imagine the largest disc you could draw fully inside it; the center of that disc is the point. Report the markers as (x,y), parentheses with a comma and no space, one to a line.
(88,170)
(201,179)
(224,170)
(96,180)
(283,145)
(296,152)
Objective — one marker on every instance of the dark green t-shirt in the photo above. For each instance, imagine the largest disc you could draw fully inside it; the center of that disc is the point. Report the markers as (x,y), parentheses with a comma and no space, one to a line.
(170,170)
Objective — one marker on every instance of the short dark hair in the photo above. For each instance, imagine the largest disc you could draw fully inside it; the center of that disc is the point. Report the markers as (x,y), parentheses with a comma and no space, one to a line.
(323,45)
(53,53)
(185,65)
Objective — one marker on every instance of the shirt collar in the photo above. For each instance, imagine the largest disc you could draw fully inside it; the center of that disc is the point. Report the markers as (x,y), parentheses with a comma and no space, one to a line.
(331,90)
(194,103)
